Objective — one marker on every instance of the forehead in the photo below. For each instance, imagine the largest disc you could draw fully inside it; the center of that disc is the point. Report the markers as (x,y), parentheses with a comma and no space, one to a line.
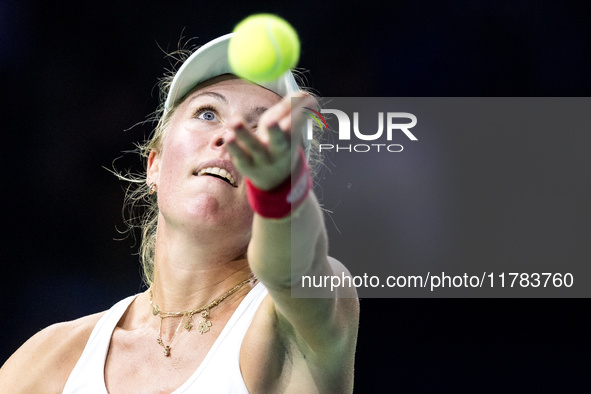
(235,90)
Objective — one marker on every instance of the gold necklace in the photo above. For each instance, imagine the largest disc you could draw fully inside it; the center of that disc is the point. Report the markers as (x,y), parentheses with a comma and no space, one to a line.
(204,324)
(159,339)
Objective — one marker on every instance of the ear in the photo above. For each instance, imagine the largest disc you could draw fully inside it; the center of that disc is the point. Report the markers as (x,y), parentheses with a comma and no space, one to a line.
(153,170)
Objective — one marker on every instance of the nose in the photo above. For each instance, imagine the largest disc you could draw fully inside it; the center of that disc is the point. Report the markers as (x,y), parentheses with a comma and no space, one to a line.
(228,130)
(219,141)
(222,136)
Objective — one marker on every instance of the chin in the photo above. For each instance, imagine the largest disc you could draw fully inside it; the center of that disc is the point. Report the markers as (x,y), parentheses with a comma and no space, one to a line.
(210,211)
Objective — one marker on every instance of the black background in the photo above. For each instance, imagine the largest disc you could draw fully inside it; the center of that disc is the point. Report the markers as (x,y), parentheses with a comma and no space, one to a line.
(76,76)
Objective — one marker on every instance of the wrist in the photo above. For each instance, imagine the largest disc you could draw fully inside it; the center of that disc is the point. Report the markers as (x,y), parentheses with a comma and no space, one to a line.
(287,196)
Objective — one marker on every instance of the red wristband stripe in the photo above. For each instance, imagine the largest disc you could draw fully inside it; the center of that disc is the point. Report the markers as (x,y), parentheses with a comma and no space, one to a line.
(278,202)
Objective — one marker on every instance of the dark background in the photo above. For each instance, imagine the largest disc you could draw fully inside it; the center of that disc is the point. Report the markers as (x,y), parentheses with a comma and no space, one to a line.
(77,76)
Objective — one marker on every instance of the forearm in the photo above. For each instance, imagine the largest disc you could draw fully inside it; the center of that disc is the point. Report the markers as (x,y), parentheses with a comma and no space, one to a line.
(267,159)
(282,250)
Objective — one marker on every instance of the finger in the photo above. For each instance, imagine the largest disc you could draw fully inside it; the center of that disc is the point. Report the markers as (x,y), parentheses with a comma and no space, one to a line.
(300,106)
(293,122)
(276,123)
(279,142)
(286,122)
(272,116)
(240,157)
(251,144)
(291,107)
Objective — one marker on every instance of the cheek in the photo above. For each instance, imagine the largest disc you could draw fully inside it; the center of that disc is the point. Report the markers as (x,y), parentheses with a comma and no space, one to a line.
(236,206)
(180,152)
(184,142)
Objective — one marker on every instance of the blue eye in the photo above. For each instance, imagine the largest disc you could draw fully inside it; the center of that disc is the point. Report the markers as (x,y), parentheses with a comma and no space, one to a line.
(206,113)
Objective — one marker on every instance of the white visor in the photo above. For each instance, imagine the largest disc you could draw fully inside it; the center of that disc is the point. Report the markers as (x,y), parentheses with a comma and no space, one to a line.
(211,60)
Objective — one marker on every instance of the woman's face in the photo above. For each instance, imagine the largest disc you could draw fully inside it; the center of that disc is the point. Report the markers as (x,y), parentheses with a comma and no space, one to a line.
(189,192)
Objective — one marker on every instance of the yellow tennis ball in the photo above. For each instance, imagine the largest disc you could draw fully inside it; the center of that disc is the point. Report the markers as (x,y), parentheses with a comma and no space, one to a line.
(264,46)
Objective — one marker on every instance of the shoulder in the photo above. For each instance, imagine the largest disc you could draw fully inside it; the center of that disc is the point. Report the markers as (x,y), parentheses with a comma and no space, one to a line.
(44,362)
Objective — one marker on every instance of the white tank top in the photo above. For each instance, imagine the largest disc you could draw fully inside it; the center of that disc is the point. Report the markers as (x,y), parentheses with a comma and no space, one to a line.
(218,373)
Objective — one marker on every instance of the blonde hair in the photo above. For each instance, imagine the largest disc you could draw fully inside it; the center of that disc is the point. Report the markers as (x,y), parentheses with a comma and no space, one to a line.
(140,208)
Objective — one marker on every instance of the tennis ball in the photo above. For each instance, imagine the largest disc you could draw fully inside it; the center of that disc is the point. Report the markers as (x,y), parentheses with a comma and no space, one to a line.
(263,47)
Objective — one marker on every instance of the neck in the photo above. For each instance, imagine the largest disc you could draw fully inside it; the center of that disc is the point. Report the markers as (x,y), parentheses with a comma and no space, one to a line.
(190,271)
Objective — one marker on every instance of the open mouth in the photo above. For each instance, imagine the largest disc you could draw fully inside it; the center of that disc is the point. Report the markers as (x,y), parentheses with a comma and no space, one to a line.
(218,173)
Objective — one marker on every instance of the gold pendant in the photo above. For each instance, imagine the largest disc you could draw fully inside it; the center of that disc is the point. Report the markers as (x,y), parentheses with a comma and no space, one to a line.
(155,310)
(188,324)
(204,324)
(167,351)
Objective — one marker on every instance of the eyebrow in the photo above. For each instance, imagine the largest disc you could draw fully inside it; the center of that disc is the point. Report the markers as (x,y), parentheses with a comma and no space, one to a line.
(251,116)
(254,114)
(215,95)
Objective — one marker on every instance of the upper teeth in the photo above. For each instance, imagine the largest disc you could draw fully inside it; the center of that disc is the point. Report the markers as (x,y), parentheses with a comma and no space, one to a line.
(218,171)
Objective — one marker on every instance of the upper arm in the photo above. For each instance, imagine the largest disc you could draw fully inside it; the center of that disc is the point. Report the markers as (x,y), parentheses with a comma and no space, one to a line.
(302,345)
(327,326)
(281,251)
(43,363)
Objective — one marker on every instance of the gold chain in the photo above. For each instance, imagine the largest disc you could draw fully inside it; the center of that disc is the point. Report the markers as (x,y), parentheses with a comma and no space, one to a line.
(204,325)
(161,343)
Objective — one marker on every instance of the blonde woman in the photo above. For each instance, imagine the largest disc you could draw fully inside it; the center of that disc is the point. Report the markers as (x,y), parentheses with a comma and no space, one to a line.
(217,250)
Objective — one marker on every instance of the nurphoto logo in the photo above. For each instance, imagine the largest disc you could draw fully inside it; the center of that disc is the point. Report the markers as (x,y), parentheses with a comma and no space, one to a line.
(395,123)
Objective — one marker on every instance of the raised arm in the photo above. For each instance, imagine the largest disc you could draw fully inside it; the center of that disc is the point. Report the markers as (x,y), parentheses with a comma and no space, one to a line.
(326,328)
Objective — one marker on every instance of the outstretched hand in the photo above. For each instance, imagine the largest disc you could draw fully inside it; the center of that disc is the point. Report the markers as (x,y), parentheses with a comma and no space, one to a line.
(268,156)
